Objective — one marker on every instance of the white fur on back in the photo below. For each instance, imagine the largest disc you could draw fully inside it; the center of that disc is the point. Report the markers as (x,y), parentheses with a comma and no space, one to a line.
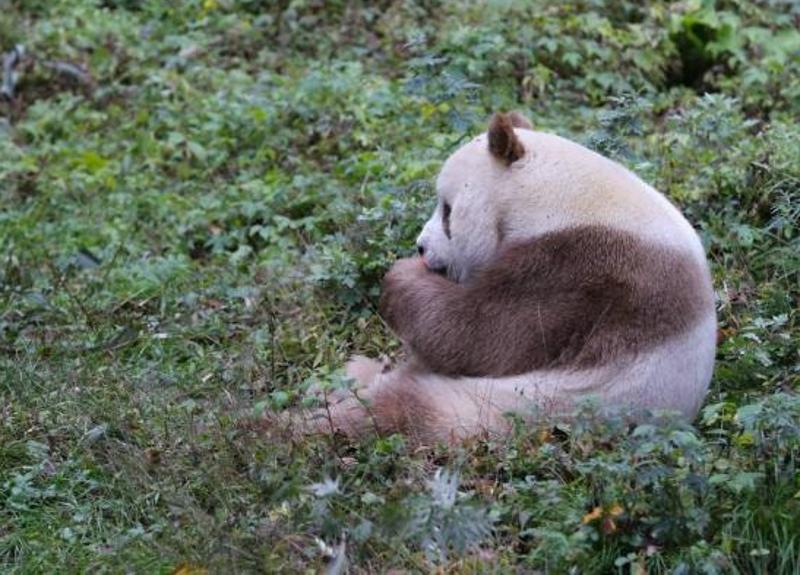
(559,184)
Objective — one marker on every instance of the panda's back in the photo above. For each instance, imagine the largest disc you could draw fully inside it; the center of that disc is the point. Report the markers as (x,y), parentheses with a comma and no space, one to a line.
(577,187)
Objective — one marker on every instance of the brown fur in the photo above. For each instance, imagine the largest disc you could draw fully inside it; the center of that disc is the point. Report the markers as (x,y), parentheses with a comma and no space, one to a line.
(503,142)
(575,298)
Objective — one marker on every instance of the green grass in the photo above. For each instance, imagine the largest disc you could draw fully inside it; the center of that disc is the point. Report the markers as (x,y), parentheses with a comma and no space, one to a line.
(193,230)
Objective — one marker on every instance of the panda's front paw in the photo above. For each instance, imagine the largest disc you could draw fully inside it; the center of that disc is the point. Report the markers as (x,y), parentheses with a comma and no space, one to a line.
(400,283)
(407,269)
(400,292)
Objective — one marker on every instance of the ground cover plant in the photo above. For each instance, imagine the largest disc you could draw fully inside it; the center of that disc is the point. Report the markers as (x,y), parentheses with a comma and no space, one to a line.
(198,199)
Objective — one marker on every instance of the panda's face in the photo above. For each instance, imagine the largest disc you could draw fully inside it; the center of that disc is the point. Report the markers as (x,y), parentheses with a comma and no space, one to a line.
(463,234)
(476,186)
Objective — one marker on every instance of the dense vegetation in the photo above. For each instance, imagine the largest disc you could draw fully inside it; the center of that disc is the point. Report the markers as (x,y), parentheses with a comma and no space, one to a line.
(198,200)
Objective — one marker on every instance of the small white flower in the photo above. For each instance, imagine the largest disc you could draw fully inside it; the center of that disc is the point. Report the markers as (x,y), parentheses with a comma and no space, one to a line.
(444,488)
(326,488)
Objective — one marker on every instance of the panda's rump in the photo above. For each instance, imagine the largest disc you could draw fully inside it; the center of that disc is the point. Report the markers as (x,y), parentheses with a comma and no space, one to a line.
(674,376)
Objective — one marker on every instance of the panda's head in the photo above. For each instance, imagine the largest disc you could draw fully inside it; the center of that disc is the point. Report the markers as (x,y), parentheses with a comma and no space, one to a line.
(468,224)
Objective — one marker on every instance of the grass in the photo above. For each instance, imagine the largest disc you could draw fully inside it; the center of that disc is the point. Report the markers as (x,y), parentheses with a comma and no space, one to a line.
(199,199)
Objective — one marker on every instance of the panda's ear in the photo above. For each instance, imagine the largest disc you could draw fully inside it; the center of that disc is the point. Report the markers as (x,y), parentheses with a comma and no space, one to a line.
(503,142)
(520,121)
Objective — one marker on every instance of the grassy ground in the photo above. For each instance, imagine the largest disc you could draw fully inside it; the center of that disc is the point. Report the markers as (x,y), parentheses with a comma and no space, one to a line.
(199,199)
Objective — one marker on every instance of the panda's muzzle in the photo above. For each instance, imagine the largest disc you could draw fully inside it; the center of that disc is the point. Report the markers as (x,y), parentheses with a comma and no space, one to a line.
(429,261)
(441,270)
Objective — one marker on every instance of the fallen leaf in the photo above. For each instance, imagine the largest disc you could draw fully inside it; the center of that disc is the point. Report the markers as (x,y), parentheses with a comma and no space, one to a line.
(592,515)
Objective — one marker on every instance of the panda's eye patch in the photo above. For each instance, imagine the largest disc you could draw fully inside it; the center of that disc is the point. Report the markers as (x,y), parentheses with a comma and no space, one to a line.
(446,219)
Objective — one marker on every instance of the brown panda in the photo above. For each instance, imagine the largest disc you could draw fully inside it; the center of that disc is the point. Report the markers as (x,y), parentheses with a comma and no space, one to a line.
(547,273)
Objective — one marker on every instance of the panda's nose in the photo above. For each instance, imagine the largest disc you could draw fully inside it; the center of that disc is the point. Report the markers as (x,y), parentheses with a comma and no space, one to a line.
(421,249)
